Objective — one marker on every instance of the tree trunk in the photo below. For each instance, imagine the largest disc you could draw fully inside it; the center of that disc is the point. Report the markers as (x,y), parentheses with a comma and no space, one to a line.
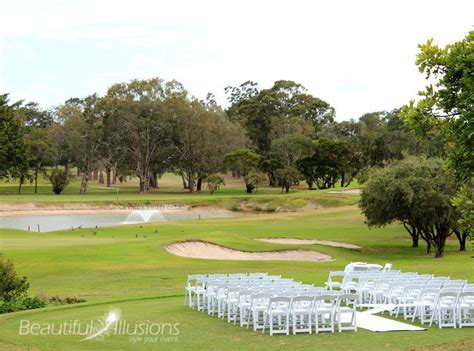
(249,188)
(101,177)
(85,179)
(415,240)
(439,249)
(199,184)
(185,184)
(107,176)
(154,180)
(191,184)
(114,176)
(36,180)
(19,185)
(440,241)
(287,187)
(343,179)
(142,184)
(462,239)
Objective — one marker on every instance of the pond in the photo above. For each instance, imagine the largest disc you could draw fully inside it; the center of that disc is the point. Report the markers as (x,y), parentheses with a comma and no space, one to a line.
(103,218)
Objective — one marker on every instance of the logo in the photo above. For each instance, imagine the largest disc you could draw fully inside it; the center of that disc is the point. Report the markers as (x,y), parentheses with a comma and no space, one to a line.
(109,325)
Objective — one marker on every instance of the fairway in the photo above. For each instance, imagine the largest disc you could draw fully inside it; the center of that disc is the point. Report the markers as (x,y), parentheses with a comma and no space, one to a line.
(128,268)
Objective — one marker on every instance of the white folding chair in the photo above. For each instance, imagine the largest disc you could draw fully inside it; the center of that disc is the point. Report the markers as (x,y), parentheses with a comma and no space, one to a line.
(192,286)
(278,316)
(465,309)
(324,308)
(346,305)
(301,310)
(445,310)
(334,284)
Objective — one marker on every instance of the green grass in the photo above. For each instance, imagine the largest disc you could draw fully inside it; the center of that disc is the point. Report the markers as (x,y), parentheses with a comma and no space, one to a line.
(117,269)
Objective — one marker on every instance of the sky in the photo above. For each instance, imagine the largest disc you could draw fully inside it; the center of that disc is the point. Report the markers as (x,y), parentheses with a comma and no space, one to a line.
(356,55)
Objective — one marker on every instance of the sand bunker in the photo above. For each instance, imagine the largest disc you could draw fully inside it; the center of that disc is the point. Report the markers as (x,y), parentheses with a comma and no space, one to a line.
(207,250)
(294,241)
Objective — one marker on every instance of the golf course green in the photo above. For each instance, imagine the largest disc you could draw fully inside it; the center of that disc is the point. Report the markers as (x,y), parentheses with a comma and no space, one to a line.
(127,268)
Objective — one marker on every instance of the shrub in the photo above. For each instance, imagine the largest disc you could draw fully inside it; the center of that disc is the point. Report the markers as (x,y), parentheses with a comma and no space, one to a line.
(30,303)
(12,287)
(59,180)
(214,181)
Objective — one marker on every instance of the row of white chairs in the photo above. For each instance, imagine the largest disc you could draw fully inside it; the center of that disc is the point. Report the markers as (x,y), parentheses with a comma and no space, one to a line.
(279,304)
(431,299)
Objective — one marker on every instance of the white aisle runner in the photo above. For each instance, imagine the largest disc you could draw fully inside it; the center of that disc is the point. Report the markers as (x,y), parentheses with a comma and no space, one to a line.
(368,320)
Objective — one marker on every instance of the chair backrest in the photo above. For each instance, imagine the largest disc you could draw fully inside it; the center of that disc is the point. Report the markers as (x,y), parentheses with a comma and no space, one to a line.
(347,299)
(279,303)
(448,298)
(193,277)
(261,299)
(300,302)
(324,300)
(466,297)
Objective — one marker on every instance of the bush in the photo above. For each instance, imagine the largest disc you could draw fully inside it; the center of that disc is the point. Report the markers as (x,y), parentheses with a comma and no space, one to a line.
(214,181)
(68,300)
(59,180)
(30,303)
(12,287)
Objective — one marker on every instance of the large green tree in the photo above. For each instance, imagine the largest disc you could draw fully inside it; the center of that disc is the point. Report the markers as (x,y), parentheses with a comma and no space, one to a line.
(284,109)
(416,192)
(446,104)
(13,150)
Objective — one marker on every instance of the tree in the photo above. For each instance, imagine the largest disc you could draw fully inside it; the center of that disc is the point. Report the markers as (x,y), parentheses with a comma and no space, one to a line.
(81,122)
(253,179)
(214,181)
(59,180)
(322,166)
(447,105)
(202,136)
(141,112)
(39,151)
(465,205)
(268,113)
(417,193)
(243,162)
(287,176)
(288,151)
(13,152)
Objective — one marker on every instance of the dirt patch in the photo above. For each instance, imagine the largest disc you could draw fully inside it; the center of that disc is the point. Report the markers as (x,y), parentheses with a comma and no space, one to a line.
(210,251)
(348,191)
(295,241)
(31,209)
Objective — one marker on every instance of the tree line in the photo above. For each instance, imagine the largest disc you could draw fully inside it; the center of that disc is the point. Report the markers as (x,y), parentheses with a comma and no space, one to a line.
(281,135)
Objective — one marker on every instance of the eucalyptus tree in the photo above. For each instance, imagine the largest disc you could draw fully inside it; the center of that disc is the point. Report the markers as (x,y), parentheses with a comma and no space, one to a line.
(202,136)
(13,150)
(141,111)
(284,108)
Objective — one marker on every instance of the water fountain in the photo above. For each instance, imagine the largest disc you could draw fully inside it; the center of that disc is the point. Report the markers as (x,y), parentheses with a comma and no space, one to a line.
(144,216)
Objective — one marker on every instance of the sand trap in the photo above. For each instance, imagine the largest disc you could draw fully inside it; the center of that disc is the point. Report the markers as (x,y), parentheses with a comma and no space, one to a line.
(207,250)
(294,241)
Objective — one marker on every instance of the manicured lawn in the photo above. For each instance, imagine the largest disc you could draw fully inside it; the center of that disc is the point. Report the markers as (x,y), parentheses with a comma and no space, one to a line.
(115,268)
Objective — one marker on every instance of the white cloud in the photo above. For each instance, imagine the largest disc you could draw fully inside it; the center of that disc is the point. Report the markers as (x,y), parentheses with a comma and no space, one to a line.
(357,55)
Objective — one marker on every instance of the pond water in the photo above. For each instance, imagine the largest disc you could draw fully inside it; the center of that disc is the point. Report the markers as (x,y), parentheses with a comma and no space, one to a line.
(47,223)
